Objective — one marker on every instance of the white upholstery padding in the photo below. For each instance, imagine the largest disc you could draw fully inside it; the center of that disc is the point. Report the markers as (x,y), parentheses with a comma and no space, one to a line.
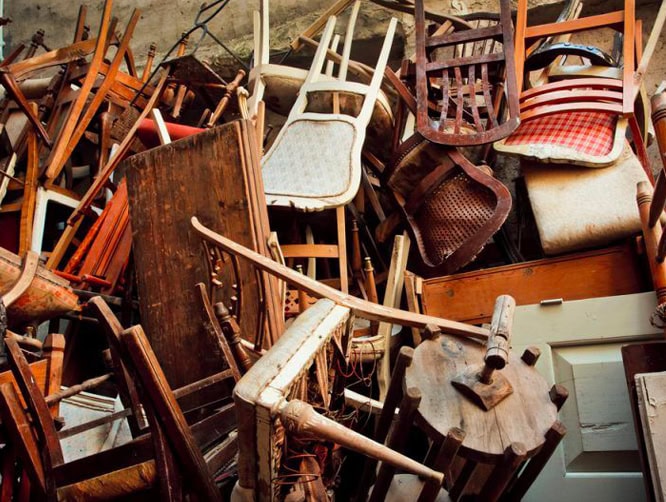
(312,160)
(577,208)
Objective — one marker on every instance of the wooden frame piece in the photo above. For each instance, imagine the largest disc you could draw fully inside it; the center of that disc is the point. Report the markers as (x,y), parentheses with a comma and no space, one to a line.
(488,71)
(360,307)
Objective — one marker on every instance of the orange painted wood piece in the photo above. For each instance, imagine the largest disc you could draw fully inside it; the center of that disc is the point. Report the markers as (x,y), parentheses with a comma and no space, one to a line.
(469,297)
(29,195)
(47,296)
(58,155)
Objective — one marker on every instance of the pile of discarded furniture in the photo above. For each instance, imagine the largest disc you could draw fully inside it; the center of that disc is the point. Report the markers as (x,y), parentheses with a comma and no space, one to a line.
(300,283)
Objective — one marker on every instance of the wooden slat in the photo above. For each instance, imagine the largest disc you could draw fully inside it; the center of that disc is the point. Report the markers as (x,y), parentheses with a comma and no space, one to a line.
(465,36)
(574,25)
(469,297)
(452,63)
(309,250)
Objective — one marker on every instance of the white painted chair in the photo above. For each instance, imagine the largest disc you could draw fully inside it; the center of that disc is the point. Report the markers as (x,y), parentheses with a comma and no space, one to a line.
(315,161)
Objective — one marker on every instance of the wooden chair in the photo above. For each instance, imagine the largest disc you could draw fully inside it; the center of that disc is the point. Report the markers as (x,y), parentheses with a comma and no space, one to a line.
(460,71)
(47,374)
(388,485)
(570,104)
(120,471)
(327,176)
(453,211)
(287,382)
(450,206)
(101,258)
(174,440)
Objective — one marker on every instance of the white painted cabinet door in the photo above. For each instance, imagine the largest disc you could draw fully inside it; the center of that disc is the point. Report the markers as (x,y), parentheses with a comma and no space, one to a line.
(580,345)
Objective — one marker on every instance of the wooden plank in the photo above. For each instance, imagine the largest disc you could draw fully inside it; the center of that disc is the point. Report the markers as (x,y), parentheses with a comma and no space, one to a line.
(469,297)
(392,295)
(651,390)
(29,194)
(205,175)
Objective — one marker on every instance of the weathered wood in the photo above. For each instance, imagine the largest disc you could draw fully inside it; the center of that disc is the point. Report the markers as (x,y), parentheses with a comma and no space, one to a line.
(482,384)
(208,174)
(524,416)
(360,307)
(652,407)
(392,296)
(470,296)
(397,440)
(168,413)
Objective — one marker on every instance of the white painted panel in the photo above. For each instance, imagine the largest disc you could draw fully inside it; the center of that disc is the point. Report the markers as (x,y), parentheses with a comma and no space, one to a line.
(580,343)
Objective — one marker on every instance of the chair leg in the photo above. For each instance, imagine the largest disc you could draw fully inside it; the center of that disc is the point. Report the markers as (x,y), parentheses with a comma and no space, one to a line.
(537,463)
(342,248)
(399,436)
(503,472)
(393,397)
(445,457)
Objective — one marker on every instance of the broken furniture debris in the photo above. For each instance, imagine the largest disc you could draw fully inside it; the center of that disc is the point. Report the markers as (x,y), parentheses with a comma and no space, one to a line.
(298,276)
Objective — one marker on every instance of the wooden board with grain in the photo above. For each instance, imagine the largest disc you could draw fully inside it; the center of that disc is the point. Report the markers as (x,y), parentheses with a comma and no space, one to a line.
(651,390)
(212,175)
(470,296)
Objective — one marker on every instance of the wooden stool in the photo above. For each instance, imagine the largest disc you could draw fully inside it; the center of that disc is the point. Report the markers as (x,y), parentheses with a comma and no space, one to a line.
(509,417)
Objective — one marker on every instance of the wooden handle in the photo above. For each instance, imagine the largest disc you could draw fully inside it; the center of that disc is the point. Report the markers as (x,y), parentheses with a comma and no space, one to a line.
(651,238)
(301,418)
(499,341)
(658,105)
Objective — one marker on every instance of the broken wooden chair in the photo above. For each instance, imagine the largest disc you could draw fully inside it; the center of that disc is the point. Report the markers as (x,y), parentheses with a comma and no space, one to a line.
(288,382)
(387,484)
(174,441)
(464,73)
(361,308)
(329,176)
(486,388)
(47,374)
(120,471)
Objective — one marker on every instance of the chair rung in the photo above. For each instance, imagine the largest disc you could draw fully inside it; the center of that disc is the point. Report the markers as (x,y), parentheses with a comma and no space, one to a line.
(452,63)
(465,36)
(309,250)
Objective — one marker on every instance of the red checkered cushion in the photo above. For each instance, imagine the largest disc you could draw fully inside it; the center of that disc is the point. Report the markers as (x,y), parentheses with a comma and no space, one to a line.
(590,133)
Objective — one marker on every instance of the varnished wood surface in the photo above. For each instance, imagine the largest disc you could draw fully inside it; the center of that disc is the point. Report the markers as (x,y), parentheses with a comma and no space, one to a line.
(523,417)
(469,297)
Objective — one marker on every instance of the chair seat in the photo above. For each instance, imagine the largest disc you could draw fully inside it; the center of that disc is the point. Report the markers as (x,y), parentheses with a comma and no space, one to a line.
(593,139)
(313,165)
(577,208)
(448,218)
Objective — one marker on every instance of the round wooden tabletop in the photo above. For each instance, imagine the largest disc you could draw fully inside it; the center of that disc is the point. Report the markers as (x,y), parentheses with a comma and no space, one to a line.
(524,416)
